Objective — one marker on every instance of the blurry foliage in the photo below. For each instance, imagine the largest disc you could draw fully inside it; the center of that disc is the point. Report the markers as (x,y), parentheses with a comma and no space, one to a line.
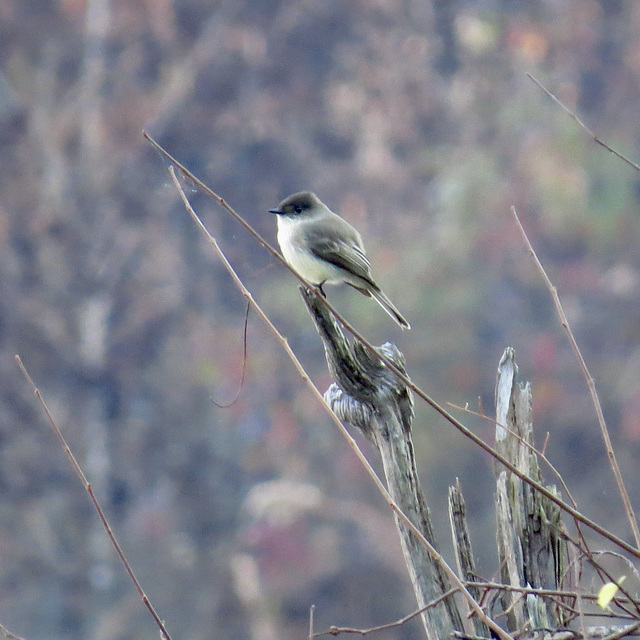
(416,121)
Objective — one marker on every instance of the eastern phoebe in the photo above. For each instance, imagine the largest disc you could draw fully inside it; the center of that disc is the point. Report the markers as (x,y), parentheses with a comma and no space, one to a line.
(324,248)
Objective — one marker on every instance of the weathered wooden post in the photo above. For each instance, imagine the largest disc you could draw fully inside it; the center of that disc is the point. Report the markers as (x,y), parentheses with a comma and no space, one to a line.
(371,397)
(530,545)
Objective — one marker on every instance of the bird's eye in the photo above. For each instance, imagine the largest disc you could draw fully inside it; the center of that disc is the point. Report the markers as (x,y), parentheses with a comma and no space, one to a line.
(298,209)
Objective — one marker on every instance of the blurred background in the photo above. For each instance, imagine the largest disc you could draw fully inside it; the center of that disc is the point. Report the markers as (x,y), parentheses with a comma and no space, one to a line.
(416,121)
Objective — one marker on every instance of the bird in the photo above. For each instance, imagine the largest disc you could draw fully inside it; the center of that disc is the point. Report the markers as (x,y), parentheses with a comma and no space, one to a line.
(325,249)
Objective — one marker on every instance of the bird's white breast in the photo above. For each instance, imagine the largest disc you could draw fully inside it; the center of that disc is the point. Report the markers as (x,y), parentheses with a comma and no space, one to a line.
(297,255)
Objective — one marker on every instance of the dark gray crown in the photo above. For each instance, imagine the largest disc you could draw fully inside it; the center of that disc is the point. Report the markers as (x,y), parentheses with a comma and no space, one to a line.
(296,204)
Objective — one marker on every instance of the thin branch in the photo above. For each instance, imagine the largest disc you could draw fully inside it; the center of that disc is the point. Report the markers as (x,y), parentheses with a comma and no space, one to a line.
(459,586)
(632,567)
(620,602)
(89,489)
(593,633)
(625,631)
(634,551)
(528,445)
(604,575)
(547,593)
(592,135)
(7,634)
(226,405)
(334,631)
(590,383)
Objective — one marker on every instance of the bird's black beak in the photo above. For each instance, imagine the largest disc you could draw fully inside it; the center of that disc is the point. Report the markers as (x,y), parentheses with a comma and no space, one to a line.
(276,211)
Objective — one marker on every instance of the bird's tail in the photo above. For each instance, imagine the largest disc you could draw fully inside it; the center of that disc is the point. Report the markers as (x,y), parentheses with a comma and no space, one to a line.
(389,307)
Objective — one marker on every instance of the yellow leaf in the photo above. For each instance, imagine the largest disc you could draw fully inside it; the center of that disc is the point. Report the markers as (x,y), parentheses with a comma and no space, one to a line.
(608,592)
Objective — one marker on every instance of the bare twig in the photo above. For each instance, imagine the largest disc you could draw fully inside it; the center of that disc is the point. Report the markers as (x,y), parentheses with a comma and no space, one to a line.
(226,405)
(547,593)
(593,136)
(605,575)
(7,634)
(334,631)
(89,489)
(625,631)
(632,567)
(634,551)
(633,523)
(528,445)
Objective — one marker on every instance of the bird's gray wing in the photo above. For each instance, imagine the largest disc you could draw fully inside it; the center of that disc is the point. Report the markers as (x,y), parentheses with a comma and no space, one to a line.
(348,255)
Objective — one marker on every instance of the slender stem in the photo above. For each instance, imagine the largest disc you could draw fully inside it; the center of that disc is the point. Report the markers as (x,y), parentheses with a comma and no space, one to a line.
(593,136)
(633,523)
(89,489)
